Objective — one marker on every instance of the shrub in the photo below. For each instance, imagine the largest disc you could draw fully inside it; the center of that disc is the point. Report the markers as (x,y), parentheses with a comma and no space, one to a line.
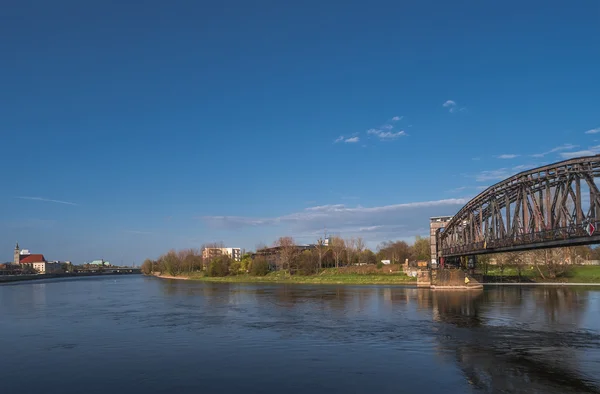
(259,266)
(219,266)
(147,267)
(235,267)
(379,265)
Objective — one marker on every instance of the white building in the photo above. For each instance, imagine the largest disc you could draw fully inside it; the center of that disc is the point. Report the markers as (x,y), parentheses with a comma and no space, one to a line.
(47,268)
(233,253)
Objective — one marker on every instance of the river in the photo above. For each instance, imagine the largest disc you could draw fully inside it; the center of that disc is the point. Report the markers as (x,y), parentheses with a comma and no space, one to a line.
(134,334)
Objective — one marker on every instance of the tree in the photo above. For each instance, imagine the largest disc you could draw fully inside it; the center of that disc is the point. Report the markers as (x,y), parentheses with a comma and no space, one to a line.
(360,246)
(171,263)
(219,266)
(369,257)
(147,267)
(259,266)
(421,249)
(337,247)
(305,263)
(397,251)
(350,250)
(287,251)
(320,250)
(245,262)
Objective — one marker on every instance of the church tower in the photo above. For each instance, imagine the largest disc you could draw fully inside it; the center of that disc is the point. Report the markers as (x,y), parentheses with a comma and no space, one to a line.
(17,255)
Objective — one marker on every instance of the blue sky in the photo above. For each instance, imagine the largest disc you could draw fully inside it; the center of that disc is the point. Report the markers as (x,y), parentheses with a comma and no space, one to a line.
(129,129)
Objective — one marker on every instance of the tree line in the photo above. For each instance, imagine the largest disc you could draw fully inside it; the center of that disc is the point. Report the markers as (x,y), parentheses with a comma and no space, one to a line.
(287,256)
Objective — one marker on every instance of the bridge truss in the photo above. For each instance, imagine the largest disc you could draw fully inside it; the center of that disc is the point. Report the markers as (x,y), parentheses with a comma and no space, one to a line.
(550,206)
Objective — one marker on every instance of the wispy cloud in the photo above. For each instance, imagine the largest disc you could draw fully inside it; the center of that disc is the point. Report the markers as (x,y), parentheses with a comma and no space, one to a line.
(507,156)
(449,104)
(592,150)
(397,118)
(350,140)
(453,107)
(593,131)
(46,200)
(524,167)
(380,222)
(476,158)
(386,135)
(493,175)
(555,150)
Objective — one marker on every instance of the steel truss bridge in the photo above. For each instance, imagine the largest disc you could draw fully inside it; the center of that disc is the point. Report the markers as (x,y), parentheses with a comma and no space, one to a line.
(550,206)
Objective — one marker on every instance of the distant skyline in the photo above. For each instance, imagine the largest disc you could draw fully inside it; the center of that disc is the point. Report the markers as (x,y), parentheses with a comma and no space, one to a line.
(132,128)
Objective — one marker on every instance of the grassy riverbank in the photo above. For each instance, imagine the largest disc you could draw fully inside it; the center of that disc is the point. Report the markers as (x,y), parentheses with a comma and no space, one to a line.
(530,274)
(328,276)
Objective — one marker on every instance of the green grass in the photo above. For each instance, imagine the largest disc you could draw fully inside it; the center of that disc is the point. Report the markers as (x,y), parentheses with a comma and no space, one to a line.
(326,277)
(584,274)
(576,274)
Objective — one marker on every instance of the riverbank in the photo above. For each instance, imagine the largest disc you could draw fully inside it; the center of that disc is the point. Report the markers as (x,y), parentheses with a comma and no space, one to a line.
(530,275)
(324,278)
(22,278)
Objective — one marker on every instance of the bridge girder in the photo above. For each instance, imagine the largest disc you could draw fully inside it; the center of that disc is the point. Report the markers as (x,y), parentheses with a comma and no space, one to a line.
(540,208)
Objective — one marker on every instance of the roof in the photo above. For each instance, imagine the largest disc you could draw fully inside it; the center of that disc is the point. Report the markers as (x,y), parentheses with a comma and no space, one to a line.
(33,258)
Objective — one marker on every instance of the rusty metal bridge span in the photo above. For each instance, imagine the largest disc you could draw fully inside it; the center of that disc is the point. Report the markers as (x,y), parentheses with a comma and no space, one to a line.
(550,206)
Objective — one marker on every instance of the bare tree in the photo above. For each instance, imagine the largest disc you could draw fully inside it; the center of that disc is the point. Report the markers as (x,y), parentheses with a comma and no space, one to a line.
(360,246)
(350,250)
(421,249)
(320,249)
(337,247)
(287,251)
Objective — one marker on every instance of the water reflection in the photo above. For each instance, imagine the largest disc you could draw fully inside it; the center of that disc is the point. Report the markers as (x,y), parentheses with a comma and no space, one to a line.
(537,348)
(299,338)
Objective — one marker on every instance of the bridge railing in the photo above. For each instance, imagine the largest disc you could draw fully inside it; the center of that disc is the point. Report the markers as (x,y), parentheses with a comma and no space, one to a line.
(572,232)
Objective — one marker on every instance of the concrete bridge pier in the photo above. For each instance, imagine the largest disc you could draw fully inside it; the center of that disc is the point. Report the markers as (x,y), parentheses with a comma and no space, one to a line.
(447,279)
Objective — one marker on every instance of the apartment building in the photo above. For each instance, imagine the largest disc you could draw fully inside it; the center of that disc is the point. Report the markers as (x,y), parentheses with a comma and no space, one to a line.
(233,253)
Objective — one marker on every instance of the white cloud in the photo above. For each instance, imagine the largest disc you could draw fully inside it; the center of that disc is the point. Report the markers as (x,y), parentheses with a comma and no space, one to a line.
(386,135)
(387,127)
(47,200)
(476,158)
(453,106)
(449,103)
(493,175)
(591,151)
(397,118)
(593,131)
(524,167)
(507,156)
(376,223)
(350,140)
(555,150)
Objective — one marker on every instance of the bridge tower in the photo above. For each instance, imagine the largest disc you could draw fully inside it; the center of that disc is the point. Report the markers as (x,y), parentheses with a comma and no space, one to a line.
(435,223)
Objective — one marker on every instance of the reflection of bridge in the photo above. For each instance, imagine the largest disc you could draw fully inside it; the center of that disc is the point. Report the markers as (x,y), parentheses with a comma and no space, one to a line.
(550,206)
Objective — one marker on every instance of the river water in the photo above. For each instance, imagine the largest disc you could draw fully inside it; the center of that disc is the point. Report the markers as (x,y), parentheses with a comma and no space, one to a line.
(133,334)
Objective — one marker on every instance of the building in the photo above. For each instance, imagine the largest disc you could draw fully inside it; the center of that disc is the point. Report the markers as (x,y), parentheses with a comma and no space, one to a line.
(435,223)
(100,262)
(36,261)
(233,253)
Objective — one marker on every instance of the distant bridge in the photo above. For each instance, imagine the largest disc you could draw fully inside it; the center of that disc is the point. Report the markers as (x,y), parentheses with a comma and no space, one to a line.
(550,206)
